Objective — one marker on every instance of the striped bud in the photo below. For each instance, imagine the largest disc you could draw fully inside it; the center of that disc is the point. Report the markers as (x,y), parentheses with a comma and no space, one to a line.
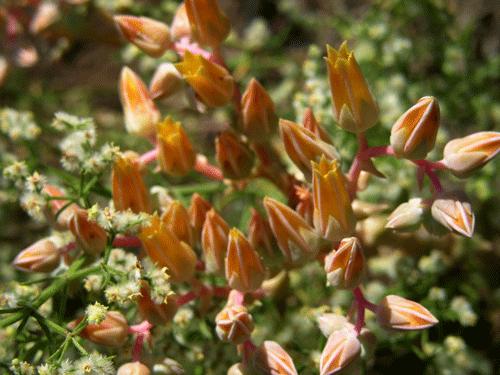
(244,269)
(197,213)
(214,240)
(354,107)
(42,256)
(89,235)
(395,313)
(166,250)
(112,332)
(133,368)
(305,207)
(155,313)
(262,239)
(341,349)
(176,218)
(234,157)
(166,81)
(333,213)
(345,268)
(150,36)
(141,114)
(408,216)
(129,191)
(463,156)
(454,211)
(298,242)
(209,26)
(58,211)
(234,324)
(271,359)
(310,123)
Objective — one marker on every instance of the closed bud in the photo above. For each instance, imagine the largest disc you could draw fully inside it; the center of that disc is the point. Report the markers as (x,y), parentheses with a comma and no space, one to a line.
(333,213)
(271,359)
(47,14)
(454,211)
(363,210)
(176,218)
(58,211)
(395,313)
(234,324)
(141,114)
(214,240)
(298,242)
(341,349)
(150,36)
(260,120)
(180,27)
(303,146)
(353,105)
(463,156)
(244,269)
(345,268)
(310,123)
(305,207)
(166,250)
(408,216)
(112,332)
(197,213)
(262,239)
(129,191)
(414,133)
(209,26)
(42,256)
(155,313)
(89,235)
(329,323)
(213,84)
(234,157)
(166,81)
(241,369)
(133,368)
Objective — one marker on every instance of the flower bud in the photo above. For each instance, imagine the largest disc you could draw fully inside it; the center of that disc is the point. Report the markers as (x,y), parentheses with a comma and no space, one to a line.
(155,313)
(176,218)
(329,323)
(42,256)
(180,27)
(141,114)
(298,242)
(454,211)
(58,211)
(244,269)
(408,216)
(128,188)
(260,120)
(310,123)
(341,349)
(305,207)
(166,250)
(234,157)
(463,156)
(214,241)
(414,133)
(241,369)
(213,84)
(333,213)
(197,213)
(209,26)
(150,36)
(353,105)
(89,235)
(47,14)
(166,81)
(345,268)
(302,146)
(234,324)
(112,332)
(133,368)
(395,313)
(262,239)
(271,359)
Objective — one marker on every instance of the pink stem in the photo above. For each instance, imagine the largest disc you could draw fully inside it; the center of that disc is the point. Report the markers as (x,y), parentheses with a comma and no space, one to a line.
(142,331)
(239,297)
(127,242)
(186,298)
(67,248)
(429,170)
(201,166)
(149,156)
(362,305)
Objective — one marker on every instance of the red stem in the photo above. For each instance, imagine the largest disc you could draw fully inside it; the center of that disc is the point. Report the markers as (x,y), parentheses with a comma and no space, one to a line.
(363,304)
(201,166)
(127,242)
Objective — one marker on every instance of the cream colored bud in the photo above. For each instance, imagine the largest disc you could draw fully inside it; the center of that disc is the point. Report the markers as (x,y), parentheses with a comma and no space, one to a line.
(271,359)
(408,216)
(454,211)
(341,349)
(234,324)
(395,313)
(166,81)
(42,256)
(133,368)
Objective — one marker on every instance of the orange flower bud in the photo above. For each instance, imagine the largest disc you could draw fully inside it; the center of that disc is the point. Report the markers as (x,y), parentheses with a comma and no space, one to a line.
(197,212)
(233,156)
(262,239)
(271,358)
(42,256)
(414,133)
(128,188)
(345,268)
(395,313)
(213,84)
(176,153)
(154,313)
(333,213)
(180,27)
(209,26)
(133,368)
(463,156)
(234,324)
(166,81)
(112,332)
(259,114)
(353,105)
(166,250)
(305,207)
(298,242)
(214,240)
(303,146)
(341,349)
(89,235)
(454,211)
(141,114)
(310,123)
(176,218)
(244,269)
(150,36)
(57,211)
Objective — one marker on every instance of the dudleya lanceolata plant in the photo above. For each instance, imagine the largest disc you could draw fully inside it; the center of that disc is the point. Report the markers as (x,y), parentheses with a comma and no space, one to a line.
(150,257)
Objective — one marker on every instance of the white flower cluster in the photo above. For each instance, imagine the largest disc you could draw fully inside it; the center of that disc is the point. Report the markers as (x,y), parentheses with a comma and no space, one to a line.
(118,221)
(18,124)
(93,364)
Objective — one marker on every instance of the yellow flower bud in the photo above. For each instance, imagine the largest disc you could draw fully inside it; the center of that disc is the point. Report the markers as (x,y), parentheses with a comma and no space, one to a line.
(42,256)
(112,332)
(454,211)
(89,235)
(234,324)
(271,358)
(234,157)
(214,240)
(209,26)
(345,268)
(396,313)
(341,349)
(166,81)
(176,218)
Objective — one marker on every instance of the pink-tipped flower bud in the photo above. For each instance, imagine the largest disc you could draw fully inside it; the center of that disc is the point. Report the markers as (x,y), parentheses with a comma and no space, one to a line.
(214,240)
(414,133)
(310,123)
(395,313)
(271,359)
(408,216)
(42,256)
(234,324)
(209,26)
(234,157)
(341,349)
(133,368)
(58,211)
(453,210)
(176,218)
(166,81)
(111,332)
(89,235)
(345,268)
(305,207)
